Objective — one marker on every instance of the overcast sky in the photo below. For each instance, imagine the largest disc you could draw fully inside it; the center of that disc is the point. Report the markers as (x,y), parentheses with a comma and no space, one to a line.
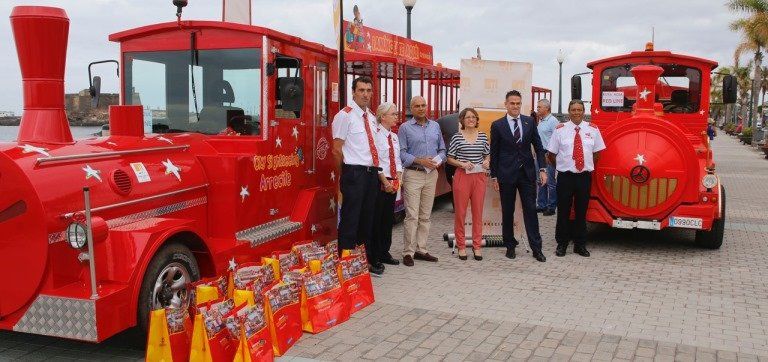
(528,31)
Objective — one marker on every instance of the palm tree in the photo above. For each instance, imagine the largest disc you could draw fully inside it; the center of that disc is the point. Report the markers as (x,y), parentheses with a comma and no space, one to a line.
(754,29)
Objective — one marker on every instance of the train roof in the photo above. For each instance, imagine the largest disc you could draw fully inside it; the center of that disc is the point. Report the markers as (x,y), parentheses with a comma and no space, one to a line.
(147,30)
(655,54)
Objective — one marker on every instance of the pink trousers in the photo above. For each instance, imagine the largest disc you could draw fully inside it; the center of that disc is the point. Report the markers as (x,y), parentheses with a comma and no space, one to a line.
(468,189)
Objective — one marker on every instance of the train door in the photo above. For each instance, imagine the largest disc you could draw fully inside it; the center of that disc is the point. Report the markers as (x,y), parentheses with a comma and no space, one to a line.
(287,162)
(314,129)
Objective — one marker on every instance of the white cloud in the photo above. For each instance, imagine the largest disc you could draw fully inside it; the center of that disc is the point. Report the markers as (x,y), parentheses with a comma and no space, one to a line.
(510,30)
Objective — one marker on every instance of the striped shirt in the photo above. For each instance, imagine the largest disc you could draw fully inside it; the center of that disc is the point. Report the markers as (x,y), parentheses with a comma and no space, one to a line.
(461,150)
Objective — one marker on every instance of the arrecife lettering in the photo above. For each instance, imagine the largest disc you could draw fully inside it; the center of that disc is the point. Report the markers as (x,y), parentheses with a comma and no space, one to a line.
(279,181)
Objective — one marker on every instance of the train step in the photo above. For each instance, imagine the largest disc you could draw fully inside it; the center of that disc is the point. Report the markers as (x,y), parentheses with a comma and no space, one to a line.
(263,233)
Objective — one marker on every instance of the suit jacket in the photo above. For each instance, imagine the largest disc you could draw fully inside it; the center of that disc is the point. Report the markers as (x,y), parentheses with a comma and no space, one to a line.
(509,159)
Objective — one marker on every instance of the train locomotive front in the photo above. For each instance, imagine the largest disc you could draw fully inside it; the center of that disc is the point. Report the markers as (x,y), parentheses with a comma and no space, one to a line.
(657,170)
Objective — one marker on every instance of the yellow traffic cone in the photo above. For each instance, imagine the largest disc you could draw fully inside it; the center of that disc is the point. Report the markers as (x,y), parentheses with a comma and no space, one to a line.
(200,350)
(158,341)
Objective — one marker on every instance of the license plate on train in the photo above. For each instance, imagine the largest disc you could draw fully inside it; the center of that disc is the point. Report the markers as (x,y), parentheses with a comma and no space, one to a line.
(685,222)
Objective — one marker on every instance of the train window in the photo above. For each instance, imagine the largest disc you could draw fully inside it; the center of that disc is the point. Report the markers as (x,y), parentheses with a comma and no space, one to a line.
(678,89)
(288,71)
(225,99)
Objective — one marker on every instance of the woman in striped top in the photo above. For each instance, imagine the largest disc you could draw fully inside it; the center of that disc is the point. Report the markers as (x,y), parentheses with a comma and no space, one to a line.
(469,151)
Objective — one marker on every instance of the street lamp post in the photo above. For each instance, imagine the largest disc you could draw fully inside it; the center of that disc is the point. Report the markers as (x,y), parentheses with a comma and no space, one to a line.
(560,60)
(409,4)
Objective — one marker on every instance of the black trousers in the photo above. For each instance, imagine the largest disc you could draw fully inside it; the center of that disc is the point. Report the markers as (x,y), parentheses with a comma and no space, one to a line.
(572,191)
(359,187)
(507,193)
(378,245)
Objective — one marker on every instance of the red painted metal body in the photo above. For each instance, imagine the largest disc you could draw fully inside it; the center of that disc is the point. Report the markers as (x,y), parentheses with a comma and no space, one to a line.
(211,193)
(653,131)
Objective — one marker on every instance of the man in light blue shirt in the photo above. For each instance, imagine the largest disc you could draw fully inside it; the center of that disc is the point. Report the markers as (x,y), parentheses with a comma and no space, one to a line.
(422,150)
(547,199)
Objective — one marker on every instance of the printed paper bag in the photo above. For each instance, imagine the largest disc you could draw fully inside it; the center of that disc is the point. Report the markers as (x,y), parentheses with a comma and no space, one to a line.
(217,344)
(284,315)
(249,323)
(324,303)
(356,282)
(285,260)
(170,331)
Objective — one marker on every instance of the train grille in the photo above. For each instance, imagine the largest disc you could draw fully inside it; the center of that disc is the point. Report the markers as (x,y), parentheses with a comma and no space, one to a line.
(639,197)
(121,182)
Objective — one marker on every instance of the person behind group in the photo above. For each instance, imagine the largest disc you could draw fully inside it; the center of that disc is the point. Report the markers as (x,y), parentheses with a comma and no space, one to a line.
(390,175)
(711,131)
(513,169)
(422,150)
(469,152)
(547,199)
(354,149)
(574,149)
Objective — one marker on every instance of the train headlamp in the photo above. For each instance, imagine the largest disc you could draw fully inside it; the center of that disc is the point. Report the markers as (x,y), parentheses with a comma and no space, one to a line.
(709,181)
(77,236)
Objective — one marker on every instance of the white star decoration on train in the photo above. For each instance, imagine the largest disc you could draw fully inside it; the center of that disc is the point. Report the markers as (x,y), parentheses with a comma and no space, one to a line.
(313,229)
(333,176)
(597,111)
(30,149)
(278,142)
(332,204)
(295,133)
(244,193)
(111,143)
(232,264)
(170,168)
(640,159)
(90,172)
(701,112)
(161,138)
(644,94)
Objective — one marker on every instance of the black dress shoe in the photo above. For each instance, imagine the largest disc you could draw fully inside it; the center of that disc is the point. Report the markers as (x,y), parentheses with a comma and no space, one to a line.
(549,212)
(376,269)
(539,256)
(561,249)
(538,210)
(379,265)
(390,260)
(581,251)
(510,253)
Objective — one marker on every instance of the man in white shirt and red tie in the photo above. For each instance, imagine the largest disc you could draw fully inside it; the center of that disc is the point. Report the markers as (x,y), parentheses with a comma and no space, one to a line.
(574,148)
(354,147)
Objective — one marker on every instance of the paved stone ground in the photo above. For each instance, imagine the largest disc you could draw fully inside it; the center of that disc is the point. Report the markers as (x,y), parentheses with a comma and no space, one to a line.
(641,296)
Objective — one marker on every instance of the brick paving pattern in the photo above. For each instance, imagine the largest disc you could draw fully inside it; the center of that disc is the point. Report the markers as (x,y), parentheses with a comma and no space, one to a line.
(641,296)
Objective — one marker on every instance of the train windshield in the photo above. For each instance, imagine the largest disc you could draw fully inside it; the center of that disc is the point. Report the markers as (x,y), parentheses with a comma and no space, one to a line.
(678,89)
(219,94)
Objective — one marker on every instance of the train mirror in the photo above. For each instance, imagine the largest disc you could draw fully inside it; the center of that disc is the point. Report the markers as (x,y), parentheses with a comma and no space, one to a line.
(576,87)
(729,89)
(95,91)
(291,93)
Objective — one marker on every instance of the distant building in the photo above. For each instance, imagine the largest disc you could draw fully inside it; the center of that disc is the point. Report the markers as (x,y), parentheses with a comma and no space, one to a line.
(7,114)
(80,103)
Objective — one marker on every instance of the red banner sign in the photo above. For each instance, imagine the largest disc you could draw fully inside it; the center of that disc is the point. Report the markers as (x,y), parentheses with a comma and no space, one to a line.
(366,40)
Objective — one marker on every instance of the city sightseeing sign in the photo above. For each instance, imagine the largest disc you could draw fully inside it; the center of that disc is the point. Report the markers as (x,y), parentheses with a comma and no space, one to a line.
(367,40)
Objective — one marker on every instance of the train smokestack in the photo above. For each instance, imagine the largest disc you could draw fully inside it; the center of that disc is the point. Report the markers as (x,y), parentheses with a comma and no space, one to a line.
(41,43)
(646,77)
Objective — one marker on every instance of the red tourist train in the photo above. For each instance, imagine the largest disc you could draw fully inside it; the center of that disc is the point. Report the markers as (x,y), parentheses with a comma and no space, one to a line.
(658,169)
(219,151)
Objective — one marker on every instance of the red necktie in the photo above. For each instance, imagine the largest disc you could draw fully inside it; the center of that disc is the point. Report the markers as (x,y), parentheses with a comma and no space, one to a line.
(371,145)
(578,151)
(392,165)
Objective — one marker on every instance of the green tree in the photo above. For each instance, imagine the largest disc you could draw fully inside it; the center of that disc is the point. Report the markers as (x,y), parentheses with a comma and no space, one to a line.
(754,30)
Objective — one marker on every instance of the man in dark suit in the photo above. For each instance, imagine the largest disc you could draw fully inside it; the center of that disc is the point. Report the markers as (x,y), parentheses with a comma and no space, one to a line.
(513,169)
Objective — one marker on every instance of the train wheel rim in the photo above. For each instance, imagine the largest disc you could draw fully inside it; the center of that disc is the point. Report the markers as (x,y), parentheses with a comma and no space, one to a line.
(170,288)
